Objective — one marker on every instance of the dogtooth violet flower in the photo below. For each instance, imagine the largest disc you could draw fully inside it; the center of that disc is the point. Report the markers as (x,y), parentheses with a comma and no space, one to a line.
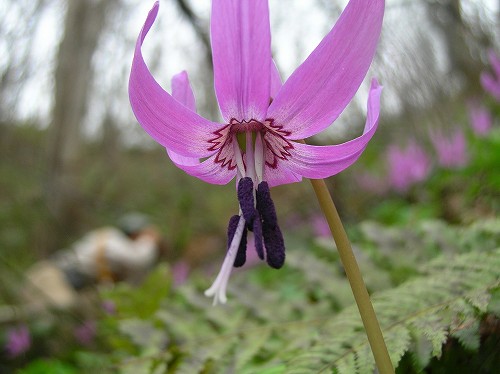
(451,149)
(407,166)
(480,118)
(491,81)
(264,121)
(18,341)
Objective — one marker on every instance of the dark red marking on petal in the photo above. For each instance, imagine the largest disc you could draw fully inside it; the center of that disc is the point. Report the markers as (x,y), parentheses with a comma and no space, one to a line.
(277,146)
(220,139)
(223,142)
(225,156)
(245,126)
(270,125)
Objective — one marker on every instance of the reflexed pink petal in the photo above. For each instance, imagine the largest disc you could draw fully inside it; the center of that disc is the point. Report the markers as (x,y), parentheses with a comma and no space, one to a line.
(182,91)
(319,90)
(241,46)
(280,175)
(276,82)
(317,162)
(180,160)
(208,171)
(167,121)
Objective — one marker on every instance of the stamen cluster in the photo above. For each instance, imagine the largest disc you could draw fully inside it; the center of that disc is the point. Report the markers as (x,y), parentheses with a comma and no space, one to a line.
(260,218)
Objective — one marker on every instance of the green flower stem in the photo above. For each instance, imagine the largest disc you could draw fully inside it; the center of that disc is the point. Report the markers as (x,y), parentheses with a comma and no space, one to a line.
(353,273)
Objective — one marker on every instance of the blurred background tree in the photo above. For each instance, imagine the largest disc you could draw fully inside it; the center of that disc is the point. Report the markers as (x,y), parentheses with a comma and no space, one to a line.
(83,26)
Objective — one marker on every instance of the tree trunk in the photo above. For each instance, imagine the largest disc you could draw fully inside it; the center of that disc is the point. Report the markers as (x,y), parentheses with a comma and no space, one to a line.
(84,22)
(447,16)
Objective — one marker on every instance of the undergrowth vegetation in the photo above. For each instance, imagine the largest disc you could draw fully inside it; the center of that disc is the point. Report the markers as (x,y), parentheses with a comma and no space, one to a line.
(302,319)
(430,259)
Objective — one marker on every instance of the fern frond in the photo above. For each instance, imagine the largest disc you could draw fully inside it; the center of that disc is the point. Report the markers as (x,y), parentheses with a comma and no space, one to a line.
(429,307)
(289,321)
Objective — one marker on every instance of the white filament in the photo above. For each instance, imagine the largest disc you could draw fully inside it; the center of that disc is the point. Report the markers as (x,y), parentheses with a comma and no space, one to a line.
(259,158)
(218,288)
(249,153)
(239,160)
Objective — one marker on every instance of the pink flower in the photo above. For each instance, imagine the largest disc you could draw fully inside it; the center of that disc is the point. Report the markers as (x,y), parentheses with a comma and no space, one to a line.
(86,333)
(320,227)
(371,182)
(451,150)
(180,272)
(264,120)
(407,166)
(18,341)
(109,307)
(491,81)
(480,118)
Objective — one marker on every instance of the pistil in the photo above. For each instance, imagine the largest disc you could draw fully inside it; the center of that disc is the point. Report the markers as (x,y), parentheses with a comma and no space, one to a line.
(218,288)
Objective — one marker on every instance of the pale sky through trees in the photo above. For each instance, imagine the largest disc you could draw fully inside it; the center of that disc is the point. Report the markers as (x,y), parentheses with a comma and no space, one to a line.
(297,27)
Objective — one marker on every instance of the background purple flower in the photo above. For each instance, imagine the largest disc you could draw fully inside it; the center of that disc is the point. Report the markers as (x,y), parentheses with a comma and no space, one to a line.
(480,118)
(180,272)
(18,341)
(320,227)
(491,80)
(86,332)
(109,307)
(372,183)
(407,166)
(451,150)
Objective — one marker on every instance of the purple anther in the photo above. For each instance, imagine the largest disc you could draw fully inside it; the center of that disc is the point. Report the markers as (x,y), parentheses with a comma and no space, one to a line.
(257,234)
(245,197)
(241,255)
(265,206)
(275,246)
(231,229)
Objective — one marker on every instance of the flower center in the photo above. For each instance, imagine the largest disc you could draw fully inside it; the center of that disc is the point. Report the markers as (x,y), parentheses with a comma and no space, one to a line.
(249,146)
(245,126)
(275,146)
